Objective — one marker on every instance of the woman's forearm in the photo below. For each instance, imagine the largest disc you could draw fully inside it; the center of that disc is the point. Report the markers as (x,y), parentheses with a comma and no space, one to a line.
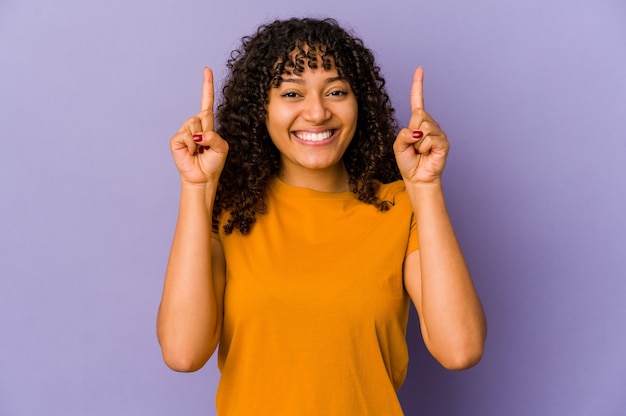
(453,316)
(189,317)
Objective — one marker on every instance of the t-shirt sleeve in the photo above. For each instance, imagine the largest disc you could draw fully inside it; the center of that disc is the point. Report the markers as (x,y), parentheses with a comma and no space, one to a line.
(413,243)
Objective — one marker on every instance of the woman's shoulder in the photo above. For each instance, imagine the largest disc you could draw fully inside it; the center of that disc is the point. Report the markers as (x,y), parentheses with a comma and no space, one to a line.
(394,193)
(392,190)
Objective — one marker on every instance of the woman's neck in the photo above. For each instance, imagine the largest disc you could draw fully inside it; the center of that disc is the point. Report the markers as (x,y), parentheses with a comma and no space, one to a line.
(331,179)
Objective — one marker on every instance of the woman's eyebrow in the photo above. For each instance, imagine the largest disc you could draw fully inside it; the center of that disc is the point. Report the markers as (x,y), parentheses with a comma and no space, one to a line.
(301,81)
(329,80)
(294,80)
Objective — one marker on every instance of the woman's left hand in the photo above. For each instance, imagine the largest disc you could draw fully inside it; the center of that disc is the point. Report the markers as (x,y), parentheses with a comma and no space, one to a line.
(421,149)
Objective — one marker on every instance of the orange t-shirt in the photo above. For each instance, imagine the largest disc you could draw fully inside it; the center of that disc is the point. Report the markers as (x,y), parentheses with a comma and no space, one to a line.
(315,310)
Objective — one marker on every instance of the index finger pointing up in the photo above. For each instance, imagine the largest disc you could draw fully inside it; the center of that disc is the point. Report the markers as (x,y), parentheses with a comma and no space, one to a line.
(417,89)
(207,90)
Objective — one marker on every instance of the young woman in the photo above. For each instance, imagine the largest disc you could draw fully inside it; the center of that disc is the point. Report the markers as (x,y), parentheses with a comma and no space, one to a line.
(306,223)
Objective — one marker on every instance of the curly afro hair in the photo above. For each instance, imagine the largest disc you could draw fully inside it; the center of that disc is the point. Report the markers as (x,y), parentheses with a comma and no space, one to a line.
(285,47)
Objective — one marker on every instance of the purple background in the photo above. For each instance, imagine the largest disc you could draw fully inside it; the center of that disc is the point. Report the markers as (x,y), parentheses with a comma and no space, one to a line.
(532,95)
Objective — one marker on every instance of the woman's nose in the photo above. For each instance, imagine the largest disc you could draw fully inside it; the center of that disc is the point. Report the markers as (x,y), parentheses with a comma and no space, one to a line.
(315,109)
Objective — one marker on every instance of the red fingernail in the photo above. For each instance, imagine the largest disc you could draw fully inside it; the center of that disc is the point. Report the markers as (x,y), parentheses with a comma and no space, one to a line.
(201,149)
(197,137)
(417,134)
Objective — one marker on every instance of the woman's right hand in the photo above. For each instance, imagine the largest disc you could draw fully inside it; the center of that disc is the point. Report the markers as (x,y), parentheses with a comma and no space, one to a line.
(199,152)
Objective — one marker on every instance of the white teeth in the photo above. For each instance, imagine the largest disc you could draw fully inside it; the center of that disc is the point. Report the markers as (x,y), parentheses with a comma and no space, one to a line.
(313,137)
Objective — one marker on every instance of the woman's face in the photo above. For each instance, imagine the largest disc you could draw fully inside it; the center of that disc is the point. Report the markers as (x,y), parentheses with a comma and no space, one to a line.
(311,119)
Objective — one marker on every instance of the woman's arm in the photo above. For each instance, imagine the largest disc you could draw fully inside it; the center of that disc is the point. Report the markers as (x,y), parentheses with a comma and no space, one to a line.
(189,320)
(436,277)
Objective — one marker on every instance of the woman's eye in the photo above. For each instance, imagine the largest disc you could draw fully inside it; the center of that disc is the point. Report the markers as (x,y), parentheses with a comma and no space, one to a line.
(290,94)
(338,93)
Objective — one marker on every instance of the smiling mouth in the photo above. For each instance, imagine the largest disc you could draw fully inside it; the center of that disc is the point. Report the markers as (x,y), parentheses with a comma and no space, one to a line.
(314,137)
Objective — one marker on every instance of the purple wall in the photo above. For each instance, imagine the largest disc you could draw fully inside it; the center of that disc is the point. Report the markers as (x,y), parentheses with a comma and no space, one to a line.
(532,95)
